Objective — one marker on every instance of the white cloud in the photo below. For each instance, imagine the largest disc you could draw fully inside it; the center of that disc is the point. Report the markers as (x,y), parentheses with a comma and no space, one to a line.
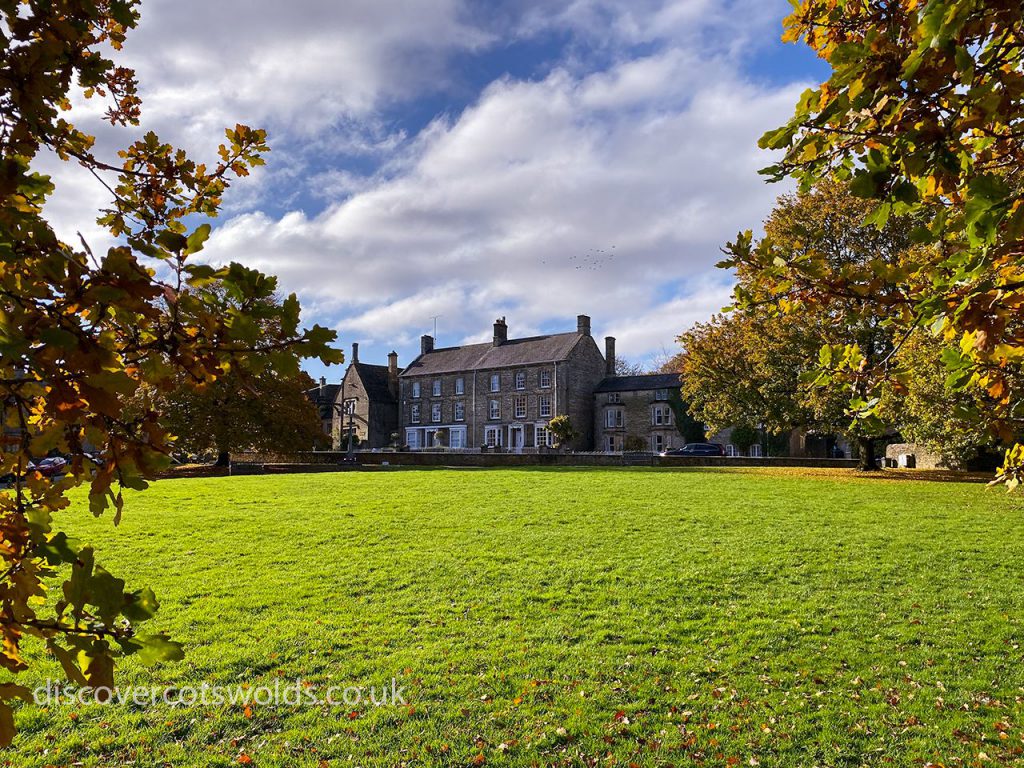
(540,202)
(605,188)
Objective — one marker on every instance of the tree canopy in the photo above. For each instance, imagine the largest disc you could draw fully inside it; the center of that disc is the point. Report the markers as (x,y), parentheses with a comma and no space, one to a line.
(81,331)
(923,115)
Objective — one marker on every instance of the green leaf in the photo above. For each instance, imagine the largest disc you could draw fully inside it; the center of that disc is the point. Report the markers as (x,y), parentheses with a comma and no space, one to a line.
(153,649)
(58,337)
(879,217)
(140,605)
(172,241)
(864,184)
(197,239)
(67,663)
(59,549)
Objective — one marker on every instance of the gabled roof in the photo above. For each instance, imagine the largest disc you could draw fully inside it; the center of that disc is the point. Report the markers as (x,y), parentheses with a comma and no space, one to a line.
(375,382)
(642,383)
(323,398)
(514,352)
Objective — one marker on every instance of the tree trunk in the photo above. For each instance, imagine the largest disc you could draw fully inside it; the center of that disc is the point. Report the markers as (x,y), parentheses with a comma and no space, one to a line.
(223,459)
(866,449)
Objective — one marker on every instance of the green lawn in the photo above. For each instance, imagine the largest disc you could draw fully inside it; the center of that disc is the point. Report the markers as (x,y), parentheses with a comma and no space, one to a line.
(604,617)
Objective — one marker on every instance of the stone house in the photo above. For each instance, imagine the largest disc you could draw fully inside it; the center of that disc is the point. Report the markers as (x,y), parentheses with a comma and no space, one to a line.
(636,413)
(322,397)
(367,404)
(502,394)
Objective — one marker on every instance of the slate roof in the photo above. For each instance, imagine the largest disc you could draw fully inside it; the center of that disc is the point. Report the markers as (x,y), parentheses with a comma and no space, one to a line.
(323,399)
(639,383)
(375,381)
(514,352)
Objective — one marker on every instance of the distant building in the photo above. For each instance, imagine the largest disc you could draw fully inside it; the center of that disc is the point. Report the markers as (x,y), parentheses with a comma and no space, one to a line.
(501,394)
(367,402)
(636,413)
(323,397)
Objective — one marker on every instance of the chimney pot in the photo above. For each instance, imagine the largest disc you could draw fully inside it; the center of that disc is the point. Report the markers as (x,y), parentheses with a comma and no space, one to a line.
(426,344)
(583,325)
(609,355)
(393,373)
(355,351)
(500,331)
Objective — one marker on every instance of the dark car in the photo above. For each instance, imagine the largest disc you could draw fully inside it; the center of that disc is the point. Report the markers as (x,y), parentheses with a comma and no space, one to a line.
(52,467)
(697,449)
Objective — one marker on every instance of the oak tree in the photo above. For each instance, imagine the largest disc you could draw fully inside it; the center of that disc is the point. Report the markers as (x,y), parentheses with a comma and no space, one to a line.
(923,115)
(81,331)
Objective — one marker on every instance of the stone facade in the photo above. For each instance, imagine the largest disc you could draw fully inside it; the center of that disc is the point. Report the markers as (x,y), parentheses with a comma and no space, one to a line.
(501,395)
(322,397)
(634,413)
(366,404)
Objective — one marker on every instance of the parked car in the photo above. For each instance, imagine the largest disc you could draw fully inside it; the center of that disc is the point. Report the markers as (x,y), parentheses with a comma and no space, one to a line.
(697,449)
(51,467)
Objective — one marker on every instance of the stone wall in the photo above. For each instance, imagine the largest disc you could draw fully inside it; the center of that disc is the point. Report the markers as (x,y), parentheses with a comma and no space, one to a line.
(923,458)
(473,459)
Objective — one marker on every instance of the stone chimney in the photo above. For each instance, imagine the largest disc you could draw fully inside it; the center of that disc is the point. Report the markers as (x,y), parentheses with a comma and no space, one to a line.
(355,351)
(583,325)
(393,372)
(500,332)
(323,383)
(609,355)
(426,344)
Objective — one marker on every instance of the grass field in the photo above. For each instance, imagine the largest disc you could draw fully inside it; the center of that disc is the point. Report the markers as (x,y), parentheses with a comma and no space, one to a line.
(604,617)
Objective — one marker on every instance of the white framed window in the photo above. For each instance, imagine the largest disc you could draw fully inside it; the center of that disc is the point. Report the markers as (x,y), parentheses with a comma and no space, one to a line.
(412,438)
(730,450)
(661,415)
(414,413)
(437,387)
(492,437)
(545,379)
(415,389)
(520,408)
(661,394)
(542,436)
(658,443)
(755,451)
(457,438)
(494,410)
(610,443)
(460,411)
(545,405)
(495,382)
(614,397)
(460,386)
(435,413)
(613,418)
(521,380)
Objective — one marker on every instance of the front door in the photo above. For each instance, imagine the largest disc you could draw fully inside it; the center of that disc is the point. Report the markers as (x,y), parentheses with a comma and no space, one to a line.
(516,438)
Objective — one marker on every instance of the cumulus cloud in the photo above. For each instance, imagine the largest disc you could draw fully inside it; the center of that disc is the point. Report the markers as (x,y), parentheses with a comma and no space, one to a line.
(544,199)
(605,185)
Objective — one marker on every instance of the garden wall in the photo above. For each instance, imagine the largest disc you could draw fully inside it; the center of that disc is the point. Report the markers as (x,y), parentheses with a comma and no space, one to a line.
(444,459)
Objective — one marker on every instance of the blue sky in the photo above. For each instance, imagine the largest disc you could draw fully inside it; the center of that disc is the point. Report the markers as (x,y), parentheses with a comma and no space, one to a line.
(533,159)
